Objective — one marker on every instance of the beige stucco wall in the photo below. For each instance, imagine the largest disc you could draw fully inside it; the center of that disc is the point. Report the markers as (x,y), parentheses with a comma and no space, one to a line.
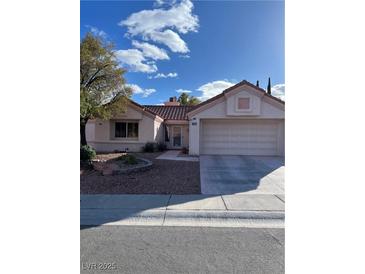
(158,131)
(262,108)
(149,130)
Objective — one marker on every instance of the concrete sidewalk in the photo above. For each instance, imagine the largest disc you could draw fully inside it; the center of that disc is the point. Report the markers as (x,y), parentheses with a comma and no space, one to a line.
(255,210)
(174,155)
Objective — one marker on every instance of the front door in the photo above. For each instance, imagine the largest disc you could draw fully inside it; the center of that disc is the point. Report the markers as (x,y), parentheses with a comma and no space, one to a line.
(176,136)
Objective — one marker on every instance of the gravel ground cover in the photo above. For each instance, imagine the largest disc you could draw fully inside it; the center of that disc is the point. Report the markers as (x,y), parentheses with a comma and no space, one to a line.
(165,177)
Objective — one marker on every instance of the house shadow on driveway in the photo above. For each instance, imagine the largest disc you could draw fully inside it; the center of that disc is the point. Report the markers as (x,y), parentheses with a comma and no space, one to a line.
(241,174)
(224,182)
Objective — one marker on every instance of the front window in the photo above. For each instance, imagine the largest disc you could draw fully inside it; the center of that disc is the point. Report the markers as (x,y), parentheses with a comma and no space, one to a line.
(126,130)
(120,130)
(132,131)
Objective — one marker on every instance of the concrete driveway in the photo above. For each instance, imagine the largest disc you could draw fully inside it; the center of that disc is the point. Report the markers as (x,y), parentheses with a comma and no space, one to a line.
(242,175)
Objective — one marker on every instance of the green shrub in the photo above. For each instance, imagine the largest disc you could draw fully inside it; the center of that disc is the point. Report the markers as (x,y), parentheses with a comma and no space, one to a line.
(87,153)
(128,159)
(149,147)
(161,147)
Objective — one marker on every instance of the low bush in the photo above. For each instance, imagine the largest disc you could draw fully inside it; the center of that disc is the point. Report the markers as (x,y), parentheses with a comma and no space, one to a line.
(149,147)
(185,150)
(128,159)
(161,147)
(87,153)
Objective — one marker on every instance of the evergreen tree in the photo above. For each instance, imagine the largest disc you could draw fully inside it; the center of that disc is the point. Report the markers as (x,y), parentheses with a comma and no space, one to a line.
(269,87)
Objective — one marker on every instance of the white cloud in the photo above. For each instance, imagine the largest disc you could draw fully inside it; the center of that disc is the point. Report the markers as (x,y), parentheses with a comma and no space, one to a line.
(148,92)
(134,60)
(143,92)
(186,56)
(96,31)
(170,39)
(151,51)
(156,24)
(278,91)
(213,88)
(178,16)
(180,90)
(162,75)
(159,3)
(135,88)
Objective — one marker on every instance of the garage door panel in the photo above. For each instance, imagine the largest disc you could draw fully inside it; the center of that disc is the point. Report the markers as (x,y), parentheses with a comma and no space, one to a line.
(244,140)
(239,137)
(252,139)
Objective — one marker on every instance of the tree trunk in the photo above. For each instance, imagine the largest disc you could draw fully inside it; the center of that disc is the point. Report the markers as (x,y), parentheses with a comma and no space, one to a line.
(83,131)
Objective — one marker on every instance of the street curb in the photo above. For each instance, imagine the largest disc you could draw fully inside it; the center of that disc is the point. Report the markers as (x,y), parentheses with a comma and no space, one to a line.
(224,218)
(227,214)
(203,218)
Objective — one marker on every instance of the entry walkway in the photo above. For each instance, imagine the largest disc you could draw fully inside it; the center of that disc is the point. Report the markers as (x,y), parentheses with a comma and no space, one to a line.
(176,155)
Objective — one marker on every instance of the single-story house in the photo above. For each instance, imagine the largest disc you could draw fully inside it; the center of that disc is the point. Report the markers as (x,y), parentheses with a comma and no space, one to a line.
(242,120)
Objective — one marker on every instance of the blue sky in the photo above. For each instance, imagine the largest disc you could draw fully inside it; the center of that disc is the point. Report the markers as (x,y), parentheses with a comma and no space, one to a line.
(201,47)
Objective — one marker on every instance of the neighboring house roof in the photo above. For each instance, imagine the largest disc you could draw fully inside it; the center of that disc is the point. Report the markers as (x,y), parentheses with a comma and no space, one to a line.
(170,112)
(244,82)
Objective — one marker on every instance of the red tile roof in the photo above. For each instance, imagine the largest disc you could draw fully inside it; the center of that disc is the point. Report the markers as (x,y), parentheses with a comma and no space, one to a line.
(170,112)
(142,107)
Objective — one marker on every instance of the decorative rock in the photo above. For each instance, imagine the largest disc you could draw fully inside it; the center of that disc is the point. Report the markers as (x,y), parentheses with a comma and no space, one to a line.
(112,168)
(146,166)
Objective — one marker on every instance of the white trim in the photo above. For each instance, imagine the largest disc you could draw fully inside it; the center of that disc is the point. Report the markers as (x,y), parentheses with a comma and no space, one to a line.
(274,102)
(159,119)
(176,122)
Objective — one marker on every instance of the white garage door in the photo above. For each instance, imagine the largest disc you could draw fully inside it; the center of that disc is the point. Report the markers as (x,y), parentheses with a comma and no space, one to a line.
(239,137)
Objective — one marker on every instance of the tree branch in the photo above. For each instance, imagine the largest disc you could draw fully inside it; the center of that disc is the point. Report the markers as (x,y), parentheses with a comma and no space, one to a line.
(93,77)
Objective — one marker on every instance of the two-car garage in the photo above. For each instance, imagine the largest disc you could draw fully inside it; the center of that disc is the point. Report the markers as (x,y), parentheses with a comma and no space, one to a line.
(241,137)
(242,120)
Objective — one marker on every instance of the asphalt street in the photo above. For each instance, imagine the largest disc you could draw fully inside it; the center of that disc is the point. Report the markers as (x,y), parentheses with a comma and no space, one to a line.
(148,249)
